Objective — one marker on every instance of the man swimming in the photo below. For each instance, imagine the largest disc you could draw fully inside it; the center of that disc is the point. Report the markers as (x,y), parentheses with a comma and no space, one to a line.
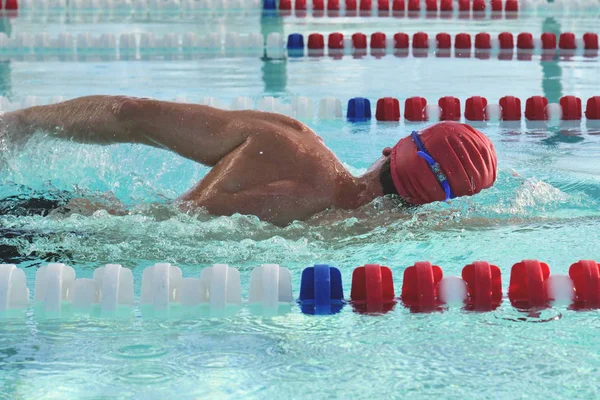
(270,165)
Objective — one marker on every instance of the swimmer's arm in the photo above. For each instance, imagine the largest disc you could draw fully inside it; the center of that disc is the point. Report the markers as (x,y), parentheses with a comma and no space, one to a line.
(203,134)
(92,119)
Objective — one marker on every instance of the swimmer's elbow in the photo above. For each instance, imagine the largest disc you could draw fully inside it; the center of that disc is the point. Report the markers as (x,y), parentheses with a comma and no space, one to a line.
(125,108)
(127,112)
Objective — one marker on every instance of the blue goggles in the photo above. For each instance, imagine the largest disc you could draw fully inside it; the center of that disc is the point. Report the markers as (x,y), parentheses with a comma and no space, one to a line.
(433,166)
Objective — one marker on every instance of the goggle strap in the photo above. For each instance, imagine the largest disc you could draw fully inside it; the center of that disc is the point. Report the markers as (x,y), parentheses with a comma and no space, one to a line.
(422,152)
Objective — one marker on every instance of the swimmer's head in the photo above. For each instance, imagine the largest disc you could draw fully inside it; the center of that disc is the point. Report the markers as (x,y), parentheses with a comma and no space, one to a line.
(438,163)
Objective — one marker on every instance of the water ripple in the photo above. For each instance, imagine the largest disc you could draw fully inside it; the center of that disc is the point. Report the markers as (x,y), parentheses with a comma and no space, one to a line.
(140,351)
(147,375)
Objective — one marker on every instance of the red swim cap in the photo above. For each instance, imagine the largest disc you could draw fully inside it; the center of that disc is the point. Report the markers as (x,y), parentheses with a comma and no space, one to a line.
(465,156)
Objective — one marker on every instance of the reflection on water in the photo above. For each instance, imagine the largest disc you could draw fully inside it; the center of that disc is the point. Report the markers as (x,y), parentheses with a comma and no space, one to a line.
(274,72)
(551,70)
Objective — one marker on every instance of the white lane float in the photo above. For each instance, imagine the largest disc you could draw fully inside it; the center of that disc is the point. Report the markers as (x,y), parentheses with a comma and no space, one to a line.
(160,287)
(14,294)
(110,290)
(270,289)
(53,284)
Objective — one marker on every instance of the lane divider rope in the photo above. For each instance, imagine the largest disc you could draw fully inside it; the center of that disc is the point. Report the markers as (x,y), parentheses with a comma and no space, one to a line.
(416,109)
(446,8)
(396,7)
(129,7)
(424,288)
(476,9)
(131,46)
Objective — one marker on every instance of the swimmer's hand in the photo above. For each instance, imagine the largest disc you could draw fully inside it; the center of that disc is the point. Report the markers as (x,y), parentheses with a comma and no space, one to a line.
(12,129)
(93,119)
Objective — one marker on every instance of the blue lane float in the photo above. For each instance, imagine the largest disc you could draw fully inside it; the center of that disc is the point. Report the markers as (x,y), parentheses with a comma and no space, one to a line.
(359,109)
(295,41)
(269,5)
(321,290)
(295,45)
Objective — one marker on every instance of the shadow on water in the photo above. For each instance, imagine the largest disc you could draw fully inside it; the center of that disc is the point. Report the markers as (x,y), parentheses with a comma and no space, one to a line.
(557,137)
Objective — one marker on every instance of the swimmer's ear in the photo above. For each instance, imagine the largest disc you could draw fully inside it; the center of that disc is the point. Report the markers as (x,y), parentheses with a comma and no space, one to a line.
(387,152)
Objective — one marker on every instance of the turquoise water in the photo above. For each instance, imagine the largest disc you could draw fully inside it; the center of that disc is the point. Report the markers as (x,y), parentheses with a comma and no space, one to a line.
(544,205)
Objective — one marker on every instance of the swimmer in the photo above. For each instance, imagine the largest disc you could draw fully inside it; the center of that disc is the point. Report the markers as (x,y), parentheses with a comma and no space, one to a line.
(270,165)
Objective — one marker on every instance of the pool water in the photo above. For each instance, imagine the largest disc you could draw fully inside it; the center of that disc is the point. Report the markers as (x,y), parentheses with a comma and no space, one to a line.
(545,205)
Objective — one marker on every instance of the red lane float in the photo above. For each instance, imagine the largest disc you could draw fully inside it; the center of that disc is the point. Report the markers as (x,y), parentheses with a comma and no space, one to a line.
(479,6)
(335,41)
(590,41)
(316,41)
(419,288)
(378,40)
(510,108)
(446,6)
(525,41)
(464,6)
(318,5)
(414,5)
(571,108)
(398,6)
(383,5)
(483,41)
(444,41)
(333,5)
(372,289)
(462,41)
(506,41)
(359,41)
(400,41)
(527,288)
(414,109)
(450,108)
(535,108)
(11,5)
(566,41)
(388,109)
(475,109)
(592,108)
(511,6)
(420,41)
(484,286)
(585,275)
